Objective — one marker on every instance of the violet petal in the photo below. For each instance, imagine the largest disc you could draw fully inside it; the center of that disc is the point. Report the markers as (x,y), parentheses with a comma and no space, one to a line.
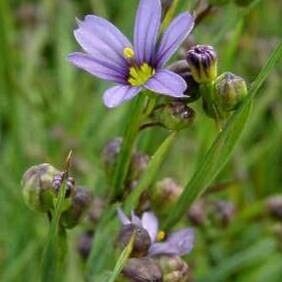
(102,40)
(135,219)
(151,224)
(163,248)
(168,83)
(116,95)
(182,240)
(147,24)
(122,217)
(96,67)
(173,37)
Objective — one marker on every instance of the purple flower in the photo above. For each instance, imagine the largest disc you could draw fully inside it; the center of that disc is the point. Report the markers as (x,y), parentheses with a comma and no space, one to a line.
(109,54)
(177,243)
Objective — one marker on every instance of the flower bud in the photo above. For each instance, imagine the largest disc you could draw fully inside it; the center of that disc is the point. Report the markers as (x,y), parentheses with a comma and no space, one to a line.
(139,163)
(142,240)
(96,210)
(174,269)
(79,203)
(193,90)
(84,244)
(165,194)
(230,91)
(202,60)
(175,116)
(110,154)
(197,213)
(274,206)
(142,270)
(223,211)
(38,190)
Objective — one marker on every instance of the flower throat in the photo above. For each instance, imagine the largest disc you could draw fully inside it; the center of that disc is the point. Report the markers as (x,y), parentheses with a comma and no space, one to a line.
(138,75)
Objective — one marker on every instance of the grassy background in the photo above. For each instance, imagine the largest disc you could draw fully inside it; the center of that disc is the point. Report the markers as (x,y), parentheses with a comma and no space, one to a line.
(47,107)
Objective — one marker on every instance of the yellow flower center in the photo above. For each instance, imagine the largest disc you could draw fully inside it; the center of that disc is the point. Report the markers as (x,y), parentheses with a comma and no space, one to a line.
(138,75)
(161,235)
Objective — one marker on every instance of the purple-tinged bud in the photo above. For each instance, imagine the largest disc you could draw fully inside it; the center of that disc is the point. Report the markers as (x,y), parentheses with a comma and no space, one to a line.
(79,203)
(139,163)
(174,269)
(142,241)
(202,60)
(38,190)
(110,154)
(230,91)
(175,116)
(193,89)
(197,213)
(165,194)
(224,212)
(274,206)
(84,244)
(143,269)
(96,210)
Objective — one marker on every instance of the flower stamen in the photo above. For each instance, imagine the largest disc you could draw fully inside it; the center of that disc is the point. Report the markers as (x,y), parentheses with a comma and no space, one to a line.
(161,235)
(139,75)
(128,53)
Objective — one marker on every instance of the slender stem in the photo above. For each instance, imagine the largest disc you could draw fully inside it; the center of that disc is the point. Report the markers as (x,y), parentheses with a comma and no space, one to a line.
(142,107)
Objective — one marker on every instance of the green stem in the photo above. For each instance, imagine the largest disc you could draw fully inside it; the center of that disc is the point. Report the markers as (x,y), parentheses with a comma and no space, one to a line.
(56,249)
(137,115)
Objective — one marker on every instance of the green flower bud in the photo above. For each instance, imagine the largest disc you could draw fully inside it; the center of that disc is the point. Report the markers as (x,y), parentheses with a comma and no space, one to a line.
(38,189)
(142,241)
(79,203)
(165,194)
(230,91)
(143,269)
(174,269)
(202,60)
(175,116)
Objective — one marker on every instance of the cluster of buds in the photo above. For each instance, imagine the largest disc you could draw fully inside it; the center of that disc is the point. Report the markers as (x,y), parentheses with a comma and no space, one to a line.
(219,212)
(221,94)
(41,186)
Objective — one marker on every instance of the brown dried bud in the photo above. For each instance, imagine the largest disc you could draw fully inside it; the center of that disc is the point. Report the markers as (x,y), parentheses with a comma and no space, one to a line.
(142,240)
(142,270)
(96,210)
(139,163)
(223,211)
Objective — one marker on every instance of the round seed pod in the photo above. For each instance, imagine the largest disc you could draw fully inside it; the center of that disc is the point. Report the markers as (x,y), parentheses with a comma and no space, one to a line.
(38,190)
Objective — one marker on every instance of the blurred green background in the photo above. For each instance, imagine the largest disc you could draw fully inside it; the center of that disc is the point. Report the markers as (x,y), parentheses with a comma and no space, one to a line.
(48,107)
